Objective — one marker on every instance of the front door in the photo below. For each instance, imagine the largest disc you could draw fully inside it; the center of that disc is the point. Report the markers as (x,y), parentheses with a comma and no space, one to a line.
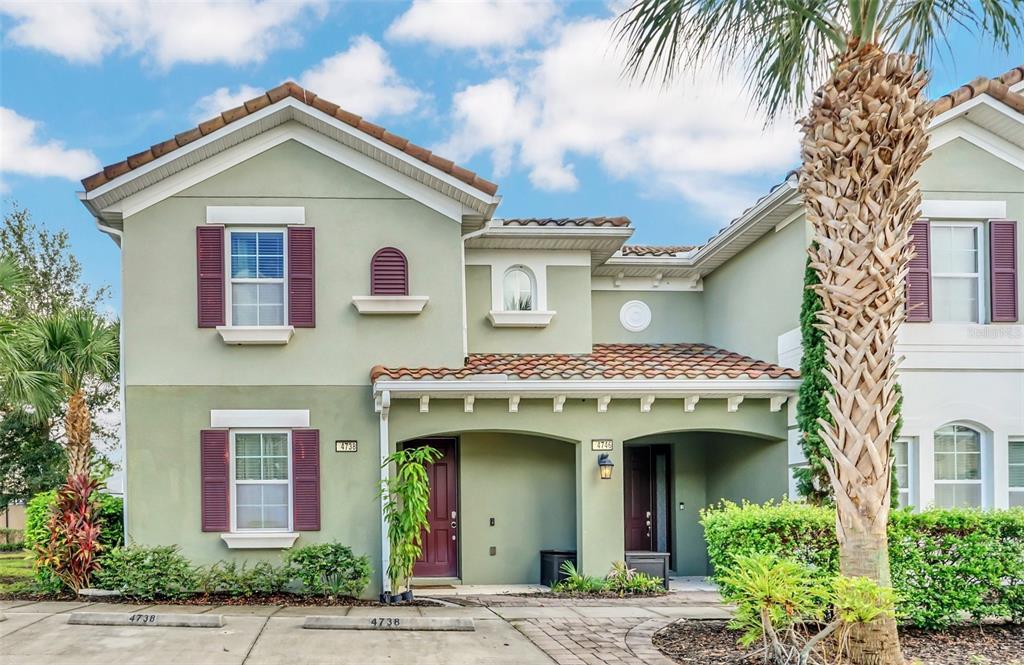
(647,500)
(440,556)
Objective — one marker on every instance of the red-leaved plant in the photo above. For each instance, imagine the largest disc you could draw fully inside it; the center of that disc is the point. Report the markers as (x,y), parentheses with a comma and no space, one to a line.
(71,552)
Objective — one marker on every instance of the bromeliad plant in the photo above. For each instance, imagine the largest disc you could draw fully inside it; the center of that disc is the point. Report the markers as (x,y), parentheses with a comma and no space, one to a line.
(406,505)
(74,544)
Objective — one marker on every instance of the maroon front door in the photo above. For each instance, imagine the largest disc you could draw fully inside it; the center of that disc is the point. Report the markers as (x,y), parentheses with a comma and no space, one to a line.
(440,557)
(639,507)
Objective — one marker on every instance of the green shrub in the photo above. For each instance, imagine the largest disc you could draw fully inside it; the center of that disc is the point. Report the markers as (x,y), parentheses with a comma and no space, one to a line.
(11,540)
(623,581)
(945,563)
(241,581)
(577,582)
(329,569)
(147,573)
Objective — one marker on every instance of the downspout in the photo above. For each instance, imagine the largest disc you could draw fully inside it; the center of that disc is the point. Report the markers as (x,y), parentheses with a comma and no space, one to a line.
(384,409)
(118,236)
(465,286)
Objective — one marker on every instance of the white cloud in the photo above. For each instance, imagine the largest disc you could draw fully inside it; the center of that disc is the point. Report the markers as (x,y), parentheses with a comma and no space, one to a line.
(201,31)
(479,25)
(695,138)
(221,100)
(362,80)
(23,152)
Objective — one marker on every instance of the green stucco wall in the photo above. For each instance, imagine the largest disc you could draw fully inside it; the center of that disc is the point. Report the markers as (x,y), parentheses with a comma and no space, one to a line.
(676,316)
(945,176)
(755,296)
(569,331)
(527,484)
(353,216)
(739,468)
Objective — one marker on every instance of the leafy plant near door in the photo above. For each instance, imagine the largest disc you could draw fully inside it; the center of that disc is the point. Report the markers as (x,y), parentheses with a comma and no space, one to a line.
(406,505)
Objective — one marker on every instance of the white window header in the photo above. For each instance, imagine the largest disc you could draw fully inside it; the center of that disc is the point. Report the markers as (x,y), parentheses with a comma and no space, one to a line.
(259,418)
(948,209)
(279,215)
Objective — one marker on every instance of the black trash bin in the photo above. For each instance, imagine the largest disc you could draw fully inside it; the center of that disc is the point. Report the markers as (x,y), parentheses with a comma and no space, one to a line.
(551,565)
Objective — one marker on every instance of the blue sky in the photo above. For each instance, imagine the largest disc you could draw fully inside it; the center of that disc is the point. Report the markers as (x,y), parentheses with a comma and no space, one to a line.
(527,94)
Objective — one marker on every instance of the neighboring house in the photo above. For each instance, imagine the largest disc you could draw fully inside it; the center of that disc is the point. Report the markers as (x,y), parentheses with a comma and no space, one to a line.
(304,292)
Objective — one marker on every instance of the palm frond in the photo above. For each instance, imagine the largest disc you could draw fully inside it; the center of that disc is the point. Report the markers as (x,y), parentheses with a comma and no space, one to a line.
(75,345)
(922,27)
(11,277)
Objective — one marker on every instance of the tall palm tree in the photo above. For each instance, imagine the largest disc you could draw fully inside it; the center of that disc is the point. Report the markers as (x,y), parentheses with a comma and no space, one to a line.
(864,138)
(78,347)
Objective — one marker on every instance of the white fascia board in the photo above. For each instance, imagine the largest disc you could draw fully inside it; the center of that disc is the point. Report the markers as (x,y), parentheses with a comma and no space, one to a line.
(651,262)
(546,257)
(633,283)
(259,418)
(950,209)
(276,215)
(962,109)
(500,387)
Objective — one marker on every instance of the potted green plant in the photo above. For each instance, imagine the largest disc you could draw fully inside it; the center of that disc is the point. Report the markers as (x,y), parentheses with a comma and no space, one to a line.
(406,505)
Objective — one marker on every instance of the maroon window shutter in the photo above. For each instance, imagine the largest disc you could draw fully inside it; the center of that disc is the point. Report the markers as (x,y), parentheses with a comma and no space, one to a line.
(919,274)
(389,273)
(301,277)
(1003,269)
(306,479)
(214,470)
(210,267)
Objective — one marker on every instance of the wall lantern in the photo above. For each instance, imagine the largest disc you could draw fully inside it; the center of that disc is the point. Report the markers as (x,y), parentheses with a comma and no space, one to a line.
(605,465)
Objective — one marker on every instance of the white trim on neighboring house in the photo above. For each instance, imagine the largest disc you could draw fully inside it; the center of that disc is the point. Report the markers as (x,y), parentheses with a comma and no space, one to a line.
(248,215)
(251,418)
(942,209)
(995,145)
(256,335)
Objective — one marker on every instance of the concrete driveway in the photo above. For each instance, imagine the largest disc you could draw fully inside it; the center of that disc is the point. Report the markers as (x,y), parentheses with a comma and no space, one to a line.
(39,633)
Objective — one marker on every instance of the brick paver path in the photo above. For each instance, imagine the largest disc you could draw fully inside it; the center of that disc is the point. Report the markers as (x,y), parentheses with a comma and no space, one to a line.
(591,641)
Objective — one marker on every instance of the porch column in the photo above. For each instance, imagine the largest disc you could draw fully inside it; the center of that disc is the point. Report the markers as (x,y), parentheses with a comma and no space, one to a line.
(600,523)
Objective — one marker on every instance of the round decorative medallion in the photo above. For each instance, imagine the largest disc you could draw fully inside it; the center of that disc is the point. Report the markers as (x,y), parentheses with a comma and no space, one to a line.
(635,316)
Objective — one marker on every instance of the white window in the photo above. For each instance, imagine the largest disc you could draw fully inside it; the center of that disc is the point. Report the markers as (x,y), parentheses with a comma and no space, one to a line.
(257,273)
(958,467)
(261,486)
(1016,473)
(956,272)
(903,452)
(519,290)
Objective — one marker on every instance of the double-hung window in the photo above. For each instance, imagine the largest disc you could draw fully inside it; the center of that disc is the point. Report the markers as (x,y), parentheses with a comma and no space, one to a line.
(956,272)
(958,467)
(257,265)
(1016,475)
(261,486)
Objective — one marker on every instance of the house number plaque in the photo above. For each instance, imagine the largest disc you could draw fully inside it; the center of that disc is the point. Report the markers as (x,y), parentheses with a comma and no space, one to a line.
(346,446)
(602,444)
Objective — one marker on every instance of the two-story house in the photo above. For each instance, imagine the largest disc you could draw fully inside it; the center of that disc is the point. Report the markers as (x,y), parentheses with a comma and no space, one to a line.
(305,292)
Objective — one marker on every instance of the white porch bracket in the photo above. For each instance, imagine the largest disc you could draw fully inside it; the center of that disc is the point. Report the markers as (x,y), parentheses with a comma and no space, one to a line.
(467,403)
(424,403)
(690,403)
(559,403)
(602,403)
(777,402)
(645,403)
(513,404)
(734,402)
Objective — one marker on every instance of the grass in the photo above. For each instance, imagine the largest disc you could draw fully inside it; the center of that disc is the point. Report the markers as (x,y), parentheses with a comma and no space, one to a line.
(15,572)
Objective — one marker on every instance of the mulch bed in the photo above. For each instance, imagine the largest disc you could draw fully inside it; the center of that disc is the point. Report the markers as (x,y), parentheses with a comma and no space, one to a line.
(711,643)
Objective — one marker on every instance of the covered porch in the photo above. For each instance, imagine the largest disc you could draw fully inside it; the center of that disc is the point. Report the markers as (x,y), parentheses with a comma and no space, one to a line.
(522,474)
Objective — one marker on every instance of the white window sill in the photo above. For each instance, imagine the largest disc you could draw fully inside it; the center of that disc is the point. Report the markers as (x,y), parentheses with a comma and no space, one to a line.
(390,304)
(256,334)
(276,540)
(529,319)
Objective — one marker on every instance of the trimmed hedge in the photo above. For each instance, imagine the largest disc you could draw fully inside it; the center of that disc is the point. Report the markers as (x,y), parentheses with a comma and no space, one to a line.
(946,564)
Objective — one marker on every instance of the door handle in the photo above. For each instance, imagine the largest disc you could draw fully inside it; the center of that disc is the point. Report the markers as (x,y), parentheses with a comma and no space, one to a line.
(454,525)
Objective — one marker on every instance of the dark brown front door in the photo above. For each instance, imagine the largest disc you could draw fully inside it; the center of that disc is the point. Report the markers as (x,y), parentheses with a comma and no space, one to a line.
(440,557)
(639,506)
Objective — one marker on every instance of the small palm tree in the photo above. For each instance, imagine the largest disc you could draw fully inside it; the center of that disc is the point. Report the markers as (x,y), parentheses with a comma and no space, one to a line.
(864,138)
(78,347)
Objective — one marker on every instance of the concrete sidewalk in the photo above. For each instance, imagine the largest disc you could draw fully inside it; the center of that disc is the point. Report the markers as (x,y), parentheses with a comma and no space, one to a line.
(38,633)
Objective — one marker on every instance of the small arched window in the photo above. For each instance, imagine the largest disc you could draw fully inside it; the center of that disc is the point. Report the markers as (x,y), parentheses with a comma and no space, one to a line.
(519,290)
(958,467)
(389,273)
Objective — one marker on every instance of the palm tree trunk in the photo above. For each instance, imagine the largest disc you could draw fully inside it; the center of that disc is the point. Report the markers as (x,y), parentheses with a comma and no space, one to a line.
(78,426)
(864,141)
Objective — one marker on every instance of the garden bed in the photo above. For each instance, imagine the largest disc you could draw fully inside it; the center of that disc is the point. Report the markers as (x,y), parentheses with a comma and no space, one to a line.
(280,599)
(712,643)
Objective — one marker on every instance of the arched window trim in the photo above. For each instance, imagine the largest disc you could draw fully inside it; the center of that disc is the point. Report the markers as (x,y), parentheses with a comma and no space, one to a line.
(389,273)
(533,304)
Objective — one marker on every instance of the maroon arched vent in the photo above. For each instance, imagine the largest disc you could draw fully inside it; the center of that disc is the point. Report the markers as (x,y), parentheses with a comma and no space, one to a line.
(389,273)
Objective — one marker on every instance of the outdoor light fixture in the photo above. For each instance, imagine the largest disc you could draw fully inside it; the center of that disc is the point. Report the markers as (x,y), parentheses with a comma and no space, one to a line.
(605,465)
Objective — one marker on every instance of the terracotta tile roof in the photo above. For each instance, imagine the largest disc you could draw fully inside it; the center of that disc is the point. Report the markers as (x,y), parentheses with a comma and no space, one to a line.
(567,221)
(998,88)
(656,250)
(307,97)
(606,361)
